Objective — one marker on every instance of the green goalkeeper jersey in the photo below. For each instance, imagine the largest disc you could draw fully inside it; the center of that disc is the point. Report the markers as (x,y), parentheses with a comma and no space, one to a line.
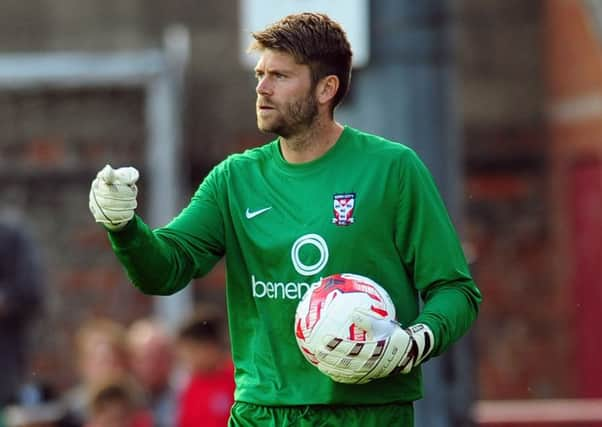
(367,206)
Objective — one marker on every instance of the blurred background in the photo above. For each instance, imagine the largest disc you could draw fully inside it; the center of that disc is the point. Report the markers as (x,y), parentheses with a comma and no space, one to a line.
(501,98)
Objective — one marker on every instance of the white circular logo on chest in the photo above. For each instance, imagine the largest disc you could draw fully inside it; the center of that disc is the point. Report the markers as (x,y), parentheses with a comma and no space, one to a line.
(320,244)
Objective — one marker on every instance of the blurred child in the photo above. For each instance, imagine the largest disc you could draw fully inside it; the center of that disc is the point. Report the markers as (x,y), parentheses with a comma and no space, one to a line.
(115,404)
(209,393)
(151,361)
(101,354)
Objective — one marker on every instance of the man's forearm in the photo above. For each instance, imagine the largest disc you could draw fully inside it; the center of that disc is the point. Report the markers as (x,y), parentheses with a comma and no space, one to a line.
(450,311)
(149,260)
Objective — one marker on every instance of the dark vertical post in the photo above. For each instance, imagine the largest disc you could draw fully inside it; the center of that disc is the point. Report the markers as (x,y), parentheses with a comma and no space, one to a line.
(408,93)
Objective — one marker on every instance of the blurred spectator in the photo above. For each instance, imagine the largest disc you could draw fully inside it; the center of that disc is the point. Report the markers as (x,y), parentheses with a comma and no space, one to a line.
(116,404)
(20,298)
(37,405)
(101,354)
(209,393)
(151,361)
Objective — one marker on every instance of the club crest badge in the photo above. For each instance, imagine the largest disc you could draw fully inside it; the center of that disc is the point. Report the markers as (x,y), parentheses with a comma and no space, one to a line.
(344,205)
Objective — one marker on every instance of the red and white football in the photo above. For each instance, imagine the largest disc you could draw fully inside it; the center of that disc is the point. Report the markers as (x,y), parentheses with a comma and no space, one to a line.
(327,310)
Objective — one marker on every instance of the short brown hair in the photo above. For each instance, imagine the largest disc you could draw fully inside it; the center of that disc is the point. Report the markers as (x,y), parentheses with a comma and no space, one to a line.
(112,391)
(205,324)
(312,39)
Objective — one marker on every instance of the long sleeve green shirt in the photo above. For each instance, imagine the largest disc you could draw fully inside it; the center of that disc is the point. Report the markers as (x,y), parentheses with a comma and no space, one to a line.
(368,206)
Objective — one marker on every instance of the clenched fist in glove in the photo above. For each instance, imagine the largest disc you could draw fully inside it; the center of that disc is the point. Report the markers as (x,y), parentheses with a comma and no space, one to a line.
(389,349)
(113,196)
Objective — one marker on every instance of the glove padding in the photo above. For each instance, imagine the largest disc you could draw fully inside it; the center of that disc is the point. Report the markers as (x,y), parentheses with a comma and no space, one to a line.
(113,196)
(388,350)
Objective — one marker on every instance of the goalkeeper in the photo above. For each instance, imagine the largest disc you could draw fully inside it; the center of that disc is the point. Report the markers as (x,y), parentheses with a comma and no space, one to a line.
(322,198)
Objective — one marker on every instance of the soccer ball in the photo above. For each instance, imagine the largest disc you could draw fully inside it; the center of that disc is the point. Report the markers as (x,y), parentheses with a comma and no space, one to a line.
(326,311)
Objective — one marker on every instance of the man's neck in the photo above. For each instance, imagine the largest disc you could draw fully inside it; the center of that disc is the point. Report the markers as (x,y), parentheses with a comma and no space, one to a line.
(311,144)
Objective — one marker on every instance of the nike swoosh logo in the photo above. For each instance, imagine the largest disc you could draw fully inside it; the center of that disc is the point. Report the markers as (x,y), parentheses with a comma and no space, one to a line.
(252,214)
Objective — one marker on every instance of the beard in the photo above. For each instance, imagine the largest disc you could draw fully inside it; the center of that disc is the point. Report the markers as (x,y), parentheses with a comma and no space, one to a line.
(291,118)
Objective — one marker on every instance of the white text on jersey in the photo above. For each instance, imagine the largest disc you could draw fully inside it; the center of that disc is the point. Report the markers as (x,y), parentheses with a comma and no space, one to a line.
(279,290)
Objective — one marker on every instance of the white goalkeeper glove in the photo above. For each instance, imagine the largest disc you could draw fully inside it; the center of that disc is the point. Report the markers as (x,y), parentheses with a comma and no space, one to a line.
(113,196)
(388,350)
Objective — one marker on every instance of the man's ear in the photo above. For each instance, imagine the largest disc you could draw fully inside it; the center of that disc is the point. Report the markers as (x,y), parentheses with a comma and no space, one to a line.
(327,88)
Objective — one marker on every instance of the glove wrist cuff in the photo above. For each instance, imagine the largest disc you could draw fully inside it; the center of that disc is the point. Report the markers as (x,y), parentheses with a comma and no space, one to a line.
(422,342)
(113,227)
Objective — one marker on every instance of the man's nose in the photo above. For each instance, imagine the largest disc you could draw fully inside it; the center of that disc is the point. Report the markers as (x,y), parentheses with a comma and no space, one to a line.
(263,87)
